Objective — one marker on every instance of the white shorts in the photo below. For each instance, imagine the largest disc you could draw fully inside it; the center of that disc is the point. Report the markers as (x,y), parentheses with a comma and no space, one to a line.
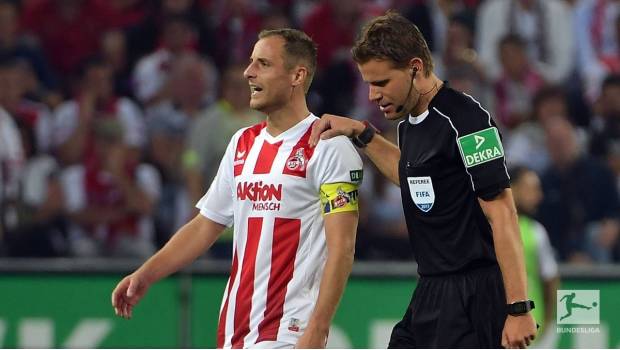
(273,345)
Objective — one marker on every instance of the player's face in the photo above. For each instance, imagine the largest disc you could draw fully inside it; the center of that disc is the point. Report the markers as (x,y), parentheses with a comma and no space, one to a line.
(270,81)
(388,87)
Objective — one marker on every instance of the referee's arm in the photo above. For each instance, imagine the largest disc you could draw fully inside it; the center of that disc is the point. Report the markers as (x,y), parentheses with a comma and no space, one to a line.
(382,152)
(520,330)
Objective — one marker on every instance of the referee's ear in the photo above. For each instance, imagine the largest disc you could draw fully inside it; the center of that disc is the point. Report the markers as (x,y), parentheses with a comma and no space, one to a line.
(416,66)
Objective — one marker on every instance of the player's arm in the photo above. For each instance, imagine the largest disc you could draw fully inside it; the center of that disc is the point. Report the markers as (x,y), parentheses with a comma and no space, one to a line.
(520,330)
(382,152)
(187,244)
(340,230)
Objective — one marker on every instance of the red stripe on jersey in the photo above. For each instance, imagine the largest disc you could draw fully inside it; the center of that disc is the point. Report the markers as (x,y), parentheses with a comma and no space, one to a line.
(297,162)
(286,234)
(221,328)
(243,304)
(244,144)
(268,153)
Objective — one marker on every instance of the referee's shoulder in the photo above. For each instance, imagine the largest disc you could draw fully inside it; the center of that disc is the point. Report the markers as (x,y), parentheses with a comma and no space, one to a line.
(463,111)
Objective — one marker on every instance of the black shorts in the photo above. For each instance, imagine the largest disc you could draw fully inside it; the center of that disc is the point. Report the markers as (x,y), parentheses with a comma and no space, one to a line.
(462,310)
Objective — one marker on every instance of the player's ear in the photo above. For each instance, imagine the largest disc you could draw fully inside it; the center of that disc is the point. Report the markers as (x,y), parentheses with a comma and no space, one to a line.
(300,73)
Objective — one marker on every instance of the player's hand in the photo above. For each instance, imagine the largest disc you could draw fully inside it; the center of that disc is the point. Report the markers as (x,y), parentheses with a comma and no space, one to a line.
(312,339)
(332,125)
(519,331)
(128,293)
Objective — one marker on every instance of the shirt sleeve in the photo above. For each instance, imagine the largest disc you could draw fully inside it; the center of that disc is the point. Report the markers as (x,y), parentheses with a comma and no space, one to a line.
(72,183)
(218,203)
(547,263)
(480,148)
(337,174)
(65,122)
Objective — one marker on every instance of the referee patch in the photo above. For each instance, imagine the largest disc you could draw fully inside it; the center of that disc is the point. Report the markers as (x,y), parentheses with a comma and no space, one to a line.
(339,197)
(480,147)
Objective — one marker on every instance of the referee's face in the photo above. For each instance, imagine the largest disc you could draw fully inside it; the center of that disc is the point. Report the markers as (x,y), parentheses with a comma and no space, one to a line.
(388,87)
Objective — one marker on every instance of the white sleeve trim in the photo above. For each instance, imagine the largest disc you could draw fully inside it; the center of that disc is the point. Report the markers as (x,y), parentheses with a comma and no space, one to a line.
(211,215)
(546,260)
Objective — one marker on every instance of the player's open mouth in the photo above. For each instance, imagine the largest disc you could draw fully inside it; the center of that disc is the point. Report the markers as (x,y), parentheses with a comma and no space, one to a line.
(254,89)
(384,107)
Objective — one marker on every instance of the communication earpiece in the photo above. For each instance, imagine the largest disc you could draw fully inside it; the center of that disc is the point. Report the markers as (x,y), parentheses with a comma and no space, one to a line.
(401,107)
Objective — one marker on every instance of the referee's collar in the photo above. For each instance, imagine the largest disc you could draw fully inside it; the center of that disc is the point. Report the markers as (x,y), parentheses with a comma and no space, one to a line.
(420,118)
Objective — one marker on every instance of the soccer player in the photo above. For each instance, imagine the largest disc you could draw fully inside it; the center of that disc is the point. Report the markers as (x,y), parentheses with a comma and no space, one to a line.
(449,164)
(293,207)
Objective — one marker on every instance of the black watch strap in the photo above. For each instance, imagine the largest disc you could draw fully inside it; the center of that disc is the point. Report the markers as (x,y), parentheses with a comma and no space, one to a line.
(364,138)
(520,307)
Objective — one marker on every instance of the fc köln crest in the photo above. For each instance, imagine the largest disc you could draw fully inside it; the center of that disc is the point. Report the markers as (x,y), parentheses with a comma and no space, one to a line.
(297,161)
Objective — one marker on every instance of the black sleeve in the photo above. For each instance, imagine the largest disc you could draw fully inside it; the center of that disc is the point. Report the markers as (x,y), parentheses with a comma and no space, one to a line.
(481,151)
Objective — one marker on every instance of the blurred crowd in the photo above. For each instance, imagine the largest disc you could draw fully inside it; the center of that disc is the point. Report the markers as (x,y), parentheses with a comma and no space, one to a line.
(114,114)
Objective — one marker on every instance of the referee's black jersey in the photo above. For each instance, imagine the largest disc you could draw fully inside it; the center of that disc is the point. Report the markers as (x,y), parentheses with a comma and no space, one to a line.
(450,156)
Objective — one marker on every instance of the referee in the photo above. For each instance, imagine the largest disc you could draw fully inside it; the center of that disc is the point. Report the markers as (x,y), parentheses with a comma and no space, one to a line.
(460,213)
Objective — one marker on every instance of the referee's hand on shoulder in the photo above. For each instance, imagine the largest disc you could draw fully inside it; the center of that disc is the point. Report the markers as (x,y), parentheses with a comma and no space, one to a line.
(519,331)
(332,125)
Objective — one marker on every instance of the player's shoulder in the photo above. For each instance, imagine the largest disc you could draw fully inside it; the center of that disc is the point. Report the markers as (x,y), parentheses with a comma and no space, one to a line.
(336,144)
(252,129)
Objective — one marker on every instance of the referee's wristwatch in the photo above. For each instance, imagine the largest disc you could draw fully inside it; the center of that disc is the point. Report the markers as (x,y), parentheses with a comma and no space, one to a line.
(364,138)
(520,307)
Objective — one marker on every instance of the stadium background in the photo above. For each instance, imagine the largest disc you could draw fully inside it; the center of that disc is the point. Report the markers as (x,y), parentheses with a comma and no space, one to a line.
(151,91)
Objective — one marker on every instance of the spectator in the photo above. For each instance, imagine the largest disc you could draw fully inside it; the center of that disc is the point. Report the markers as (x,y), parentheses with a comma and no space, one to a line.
(526,145)
(113,50)
(39,231)
(67,29)
(191,84)
(606,133)
(543,24)
(433,18)
(151,73)
(582,192)
(95,100)
(596,37)
(332,26)
(517,84)
(147,36)
(11,164)
(12,46)
(236,28)
(110,199)
(33,115)
(540,264)
(459,62)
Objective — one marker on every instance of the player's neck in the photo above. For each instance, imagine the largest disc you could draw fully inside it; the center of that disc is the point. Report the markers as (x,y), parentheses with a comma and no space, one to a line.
(428,89)
(284,118)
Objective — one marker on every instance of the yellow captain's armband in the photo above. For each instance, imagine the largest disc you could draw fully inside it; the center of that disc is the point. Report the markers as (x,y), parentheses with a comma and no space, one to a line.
(339,197)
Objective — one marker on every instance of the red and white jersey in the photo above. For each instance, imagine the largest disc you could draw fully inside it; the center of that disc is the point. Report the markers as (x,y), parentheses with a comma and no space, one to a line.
(269,189)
